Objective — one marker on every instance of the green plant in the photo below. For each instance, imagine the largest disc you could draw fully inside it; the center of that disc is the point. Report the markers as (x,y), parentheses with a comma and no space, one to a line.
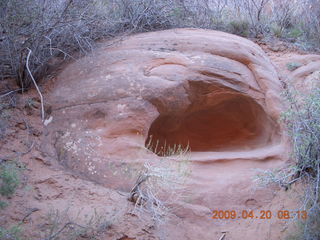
(303,124)
(9,178)
(295,33)
(240,27)
(291,66)
(12,233)
(60,226)
(297,232)
(277,31)
(302,119)
(3,204)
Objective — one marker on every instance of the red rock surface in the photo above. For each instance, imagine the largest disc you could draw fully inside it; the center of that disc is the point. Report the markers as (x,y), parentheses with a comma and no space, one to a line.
(306,73)
(217,92)
(214,92)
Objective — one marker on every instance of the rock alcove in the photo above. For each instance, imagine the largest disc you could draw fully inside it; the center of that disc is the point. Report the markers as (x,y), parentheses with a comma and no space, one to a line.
(235,123)
(230,122)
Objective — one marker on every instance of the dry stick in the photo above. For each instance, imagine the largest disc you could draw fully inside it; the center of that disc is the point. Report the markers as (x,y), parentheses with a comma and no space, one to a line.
(35,84)
(317,185)
(29,213)
(222,236)
(10,92)
(141,179)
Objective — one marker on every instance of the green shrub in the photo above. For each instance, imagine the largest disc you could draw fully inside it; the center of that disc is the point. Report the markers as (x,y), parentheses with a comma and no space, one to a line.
(3,204)
(277,31)
(59,225)
(240,27)
(302,120)
(9,178)
(303,124)
(294,33)
(13,233)
(291,66)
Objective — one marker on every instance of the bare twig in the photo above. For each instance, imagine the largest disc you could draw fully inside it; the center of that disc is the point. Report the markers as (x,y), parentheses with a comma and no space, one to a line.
(50,48)
(29,213)
(10,92)
(222,236)
(36,85)
(65,53)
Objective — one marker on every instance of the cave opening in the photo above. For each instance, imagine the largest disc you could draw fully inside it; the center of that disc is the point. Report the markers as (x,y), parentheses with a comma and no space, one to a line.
(238,123)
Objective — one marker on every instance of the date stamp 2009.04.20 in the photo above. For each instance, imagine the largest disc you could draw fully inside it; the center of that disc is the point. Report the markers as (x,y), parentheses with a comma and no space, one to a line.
(262,214)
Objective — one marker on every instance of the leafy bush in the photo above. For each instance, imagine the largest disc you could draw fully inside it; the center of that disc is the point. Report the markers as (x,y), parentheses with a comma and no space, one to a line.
(59,226)
(9,178)
(13,233)
(294,33)
(3,204)
(276,30)
(303,123)
(240,28)
(303,126)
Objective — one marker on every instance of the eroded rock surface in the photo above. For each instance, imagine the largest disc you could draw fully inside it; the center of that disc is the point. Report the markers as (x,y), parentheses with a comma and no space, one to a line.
(214,92)
(301,72)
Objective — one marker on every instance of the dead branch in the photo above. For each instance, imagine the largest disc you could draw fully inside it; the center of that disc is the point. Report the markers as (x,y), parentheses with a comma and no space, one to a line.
(29,213)
(10,92)
(222,236)
(136,193)
(35,84)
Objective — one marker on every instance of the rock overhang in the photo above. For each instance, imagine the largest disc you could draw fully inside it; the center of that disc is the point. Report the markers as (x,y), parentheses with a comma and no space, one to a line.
(223,121)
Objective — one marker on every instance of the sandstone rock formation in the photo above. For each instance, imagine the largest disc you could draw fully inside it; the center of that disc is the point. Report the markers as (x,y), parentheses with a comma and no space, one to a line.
(214,92)
(306,74)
